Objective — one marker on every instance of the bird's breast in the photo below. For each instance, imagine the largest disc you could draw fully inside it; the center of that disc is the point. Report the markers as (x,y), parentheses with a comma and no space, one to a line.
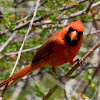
(63,55)
(59,56)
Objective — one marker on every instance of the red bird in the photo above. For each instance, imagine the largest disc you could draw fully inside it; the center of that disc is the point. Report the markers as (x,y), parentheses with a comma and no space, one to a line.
(60,48)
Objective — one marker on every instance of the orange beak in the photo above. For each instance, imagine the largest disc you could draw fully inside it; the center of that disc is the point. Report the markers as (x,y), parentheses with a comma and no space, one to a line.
(74,35)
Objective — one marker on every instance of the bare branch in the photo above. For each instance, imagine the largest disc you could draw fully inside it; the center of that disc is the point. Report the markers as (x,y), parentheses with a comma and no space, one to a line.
(31,12)
(8,41)
(95,4)
(89,6)
(25,50)
(1,12)
(79,12)
(71,6)
(22,1)
(93,32)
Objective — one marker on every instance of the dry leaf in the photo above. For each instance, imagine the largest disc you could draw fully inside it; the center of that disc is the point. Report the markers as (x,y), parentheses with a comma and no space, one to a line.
(73,2)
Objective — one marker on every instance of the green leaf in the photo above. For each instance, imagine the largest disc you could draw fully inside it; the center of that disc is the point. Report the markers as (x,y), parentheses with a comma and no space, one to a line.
(38,90)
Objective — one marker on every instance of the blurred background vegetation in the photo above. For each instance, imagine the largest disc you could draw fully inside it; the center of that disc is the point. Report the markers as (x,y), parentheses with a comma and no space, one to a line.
(52,16)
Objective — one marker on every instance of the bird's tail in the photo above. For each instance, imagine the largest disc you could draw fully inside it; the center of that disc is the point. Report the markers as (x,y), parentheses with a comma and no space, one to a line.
(25,71)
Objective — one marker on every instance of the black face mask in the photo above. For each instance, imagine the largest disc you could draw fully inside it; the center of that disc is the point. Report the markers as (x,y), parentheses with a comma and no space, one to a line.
(68,39)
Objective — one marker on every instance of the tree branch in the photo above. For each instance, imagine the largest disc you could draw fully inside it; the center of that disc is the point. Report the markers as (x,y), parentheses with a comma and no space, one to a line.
(95,4)
(15,53)
(8,41)
(31,12)
(79,12)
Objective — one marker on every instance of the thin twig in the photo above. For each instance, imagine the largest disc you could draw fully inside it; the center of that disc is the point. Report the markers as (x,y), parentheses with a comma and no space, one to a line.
(30,49)
(1,12)
(15,6)
(15,53)
(95,4)
(22,1)
(89,6)
(71,6)
(72,70)
(79,12)
(8,41)
(31,13)
(93,32)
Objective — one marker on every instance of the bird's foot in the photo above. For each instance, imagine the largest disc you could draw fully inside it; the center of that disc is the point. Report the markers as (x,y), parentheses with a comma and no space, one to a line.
(81,62)
(62,79)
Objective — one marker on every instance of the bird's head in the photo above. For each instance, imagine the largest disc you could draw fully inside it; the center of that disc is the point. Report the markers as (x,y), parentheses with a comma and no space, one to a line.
(74,33)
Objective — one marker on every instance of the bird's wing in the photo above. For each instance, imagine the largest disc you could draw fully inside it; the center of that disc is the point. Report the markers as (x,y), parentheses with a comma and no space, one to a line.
(45,50)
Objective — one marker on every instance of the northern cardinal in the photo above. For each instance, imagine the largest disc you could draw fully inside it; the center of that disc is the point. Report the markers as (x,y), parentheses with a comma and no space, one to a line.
(60,48)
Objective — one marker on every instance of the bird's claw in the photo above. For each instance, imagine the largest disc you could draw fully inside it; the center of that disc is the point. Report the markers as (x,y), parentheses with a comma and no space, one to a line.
(62,79)
(80,61)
